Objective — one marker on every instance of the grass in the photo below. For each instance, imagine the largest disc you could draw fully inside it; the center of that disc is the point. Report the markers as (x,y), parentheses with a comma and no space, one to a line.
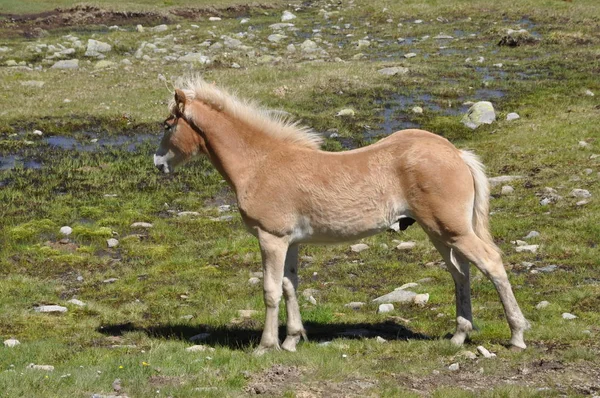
(194,266)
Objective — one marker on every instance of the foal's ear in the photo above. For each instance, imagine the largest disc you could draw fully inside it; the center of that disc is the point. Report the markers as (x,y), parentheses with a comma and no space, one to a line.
(180,100)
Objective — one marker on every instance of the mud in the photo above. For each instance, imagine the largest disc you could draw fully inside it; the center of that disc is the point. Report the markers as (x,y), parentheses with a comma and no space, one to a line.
(37,25)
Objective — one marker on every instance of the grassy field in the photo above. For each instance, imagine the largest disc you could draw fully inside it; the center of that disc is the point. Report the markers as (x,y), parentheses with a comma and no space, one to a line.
(188,275)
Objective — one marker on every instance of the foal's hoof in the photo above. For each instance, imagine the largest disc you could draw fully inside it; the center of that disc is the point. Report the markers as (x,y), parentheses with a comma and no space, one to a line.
(290,343)
(516,348)
(262,350)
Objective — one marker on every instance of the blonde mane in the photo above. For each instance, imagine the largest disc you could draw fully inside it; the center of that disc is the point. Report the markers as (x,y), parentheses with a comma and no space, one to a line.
(276,125)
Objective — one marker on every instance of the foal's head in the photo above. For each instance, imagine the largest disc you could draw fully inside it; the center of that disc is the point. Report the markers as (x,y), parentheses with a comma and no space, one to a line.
(181,142)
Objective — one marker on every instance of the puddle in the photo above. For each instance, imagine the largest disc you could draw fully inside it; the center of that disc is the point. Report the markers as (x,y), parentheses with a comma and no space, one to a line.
(70,143)
(10,162)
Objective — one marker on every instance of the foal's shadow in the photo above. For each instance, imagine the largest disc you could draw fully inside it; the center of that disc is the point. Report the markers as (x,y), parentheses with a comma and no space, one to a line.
(235,337)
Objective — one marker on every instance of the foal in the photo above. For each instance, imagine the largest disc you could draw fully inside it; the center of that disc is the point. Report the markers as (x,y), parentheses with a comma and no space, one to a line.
(289,192)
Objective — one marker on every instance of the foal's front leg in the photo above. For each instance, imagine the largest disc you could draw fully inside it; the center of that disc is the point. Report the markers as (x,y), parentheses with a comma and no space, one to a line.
(273,250)
(295,330)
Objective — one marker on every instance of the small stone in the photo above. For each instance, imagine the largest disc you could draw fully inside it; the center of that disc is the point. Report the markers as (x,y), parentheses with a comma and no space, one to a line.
(527,248)
(244,20)
(104,64)
(406,245)
(346,112)
(76,302)
(512,116)
(96,48)
(384,308)
(583,144)
(507,190)
(396,70)
(380,340)
(214,19)
(359,247)
(50,309)
(11,343)
(312,300)
(276,38)
(287,16)
(159,28)
(254,281)
(363,43)
(144,225)
(532,234)
(188,214)
(47,368)
(582,202)
(581,193)
(397,296)
(483,351)
(139,28)
(199,348)
(355,305)
(195,57)
(443,37)
(548,269)
(407,286)
(186,317)
(481,112)
(66,64)
(421,299)
(112,242)
(568,316)
(542,304)
(66,230)
(454,367)
(410,55)
(417,110)
(110,280)
(468,354)
(589,93)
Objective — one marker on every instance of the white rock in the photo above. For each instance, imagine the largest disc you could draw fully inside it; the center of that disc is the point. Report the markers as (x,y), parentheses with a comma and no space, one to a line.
(47,368)
(421,299)
(312,300)
(76,302)
(396,70)
(345,112)
(568,316)
(11,343)
(385,308)
(244,20)
(159,28)
(50,308)
(112,242)
(512,116)
(355,305)
(139,28)
(410,55)
(199,348)
(454,367)
(407,286)
(397,296)
(214,19)
(583,144)
(66,230)
(468,354)
(103,64)
(95,48)
(359,247)
(542,304)
(380,339)
(527,248)
(417,109)
(188,214)
(66,64)
(481,112)
(144,225)
(254,281)
(287,16)
(581,193)
(532,234)
(589,93)
(443,37)
(276,37)
(363,43)
(483,351)
(195,57)
(406,245)
(507,190)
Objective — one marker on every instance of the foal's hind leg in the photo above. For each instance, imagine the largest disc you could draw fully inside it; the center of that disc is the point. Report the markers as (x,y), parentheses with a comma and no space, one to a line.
(458,267)
(489,261)
(295,330)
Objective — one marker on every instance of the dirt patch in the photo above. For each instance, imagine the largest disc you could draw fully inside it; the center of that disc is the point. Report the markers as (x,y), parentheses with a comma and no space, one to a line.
(162,381)
(37,25)
(64,245)
(274,381)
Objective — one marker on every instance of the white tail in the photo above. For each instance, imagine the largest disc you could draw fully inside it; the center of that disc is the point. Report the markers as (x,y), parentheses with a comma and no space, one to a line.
(481,205)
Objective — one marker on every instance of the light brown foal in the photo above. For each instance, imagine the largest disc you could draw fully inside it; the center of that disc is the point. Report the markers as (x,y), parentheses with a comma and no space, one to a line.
(289,193)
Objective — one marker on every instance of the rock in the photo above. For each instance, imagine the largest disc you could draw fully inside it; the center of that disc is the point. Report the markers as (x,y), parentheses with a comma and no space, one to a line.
(397,296)
(33,83)
(380,340)
(443,37)
(542,304)
(527,248)
(406,245)
(214,19)
(494,181)
(468,354)
(454,367)
(110,280)
(66,230)
(139,28)
(512,116)
(195,57)
(363,43)
(421,299)
(308,46)
(483,351)
(568,316)
(407,286)
(548,269)
(312,300)
(355,305)
(532,234)
(410,55)
(345,112)
(188,214)
(112,242)
(47,368)
(481,112)
(359,247)
(159,28)
(310,292)
(254,281)
(247,313)
(245,20)
(11,343)
(589,93)
(581,193)
(507,190)
(66,64)
(126,62)
(582,202)
(50,308)
(144,225)
(186,317)
(11,62)
(287,16)
(104,64)
(96,48)
(199,348)
(417,109)
(276,38)
(385,308)
(396,70)
(230,42)
(76,302)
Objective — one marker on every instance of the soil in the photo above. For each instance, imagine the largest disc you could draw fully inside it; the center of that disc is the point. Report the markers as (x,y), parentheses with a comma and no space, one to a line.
(37,25)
